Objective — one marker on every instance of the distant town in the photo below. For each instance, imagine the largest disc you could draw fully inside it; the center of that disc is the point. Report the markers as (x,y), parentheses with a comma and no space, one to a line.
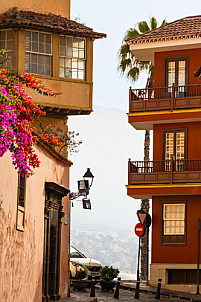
(110,245)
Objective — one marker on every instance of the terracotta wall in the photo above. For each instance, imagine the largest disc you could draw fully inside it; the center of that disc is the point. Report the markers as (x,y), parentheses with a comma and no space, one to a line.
(194,144)
(194,64)
(176,254)
(21,253)
(61,7)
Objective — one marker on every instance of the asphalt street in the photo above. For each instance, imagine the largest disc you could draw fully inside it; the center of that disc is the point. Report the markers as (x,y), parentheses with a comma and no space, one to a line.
(124,295)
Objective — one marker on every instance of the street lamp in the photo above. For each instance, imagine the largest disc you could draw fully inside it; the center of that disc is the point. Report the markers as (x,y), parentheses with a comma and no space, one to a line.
(83,189)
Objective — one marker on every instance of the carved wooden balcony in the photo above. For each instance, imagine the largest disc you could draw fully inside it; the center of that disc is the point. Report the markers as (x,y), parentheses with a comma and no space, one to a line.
(165,98)
(164,171)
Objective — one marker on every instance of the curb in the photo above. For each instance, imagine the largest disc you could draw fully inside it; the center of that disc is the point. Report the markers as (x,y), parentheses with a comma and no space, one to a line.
(167,295)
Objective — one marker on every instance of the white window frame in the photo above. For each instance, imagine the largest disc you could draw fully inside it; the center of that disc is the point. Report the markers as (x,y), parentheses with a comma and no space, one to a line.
(174,219)
(73,58)
(39,53)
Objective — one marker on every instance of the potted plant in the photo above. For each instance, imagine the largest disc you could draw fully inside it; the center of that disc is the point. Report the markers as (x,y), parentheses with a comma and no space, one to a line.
(79,280)
(107,275)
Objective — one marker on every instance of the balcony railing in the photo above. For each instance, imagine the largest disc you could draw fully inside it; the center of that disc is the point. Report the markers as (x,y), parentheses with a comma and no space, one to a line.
(164,171)
(165,98)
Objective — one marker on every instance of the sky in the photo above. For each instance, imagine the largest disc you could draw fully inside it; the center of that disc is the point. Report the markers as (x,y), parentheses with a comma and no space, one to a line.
(108,139)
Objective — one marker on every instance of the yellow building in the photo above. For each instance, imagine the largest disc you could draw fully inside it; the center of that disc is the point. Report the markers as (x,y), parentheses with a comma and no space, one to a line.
(41,39)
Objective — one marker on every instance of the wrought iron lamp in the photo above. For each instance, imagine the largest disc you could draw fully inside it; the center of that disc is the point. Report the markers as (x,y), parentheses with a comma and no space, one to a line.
(83,189)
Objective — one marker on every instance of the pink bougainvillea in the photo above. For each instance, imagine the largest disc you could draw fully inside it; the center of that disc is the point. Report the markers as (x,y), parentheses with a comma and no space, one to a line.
(17,112)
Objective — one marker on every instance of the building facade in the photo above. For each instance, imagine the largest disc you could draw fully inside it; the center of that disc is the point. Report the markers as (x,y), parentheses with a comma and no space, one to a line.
(172,110)
(41,39)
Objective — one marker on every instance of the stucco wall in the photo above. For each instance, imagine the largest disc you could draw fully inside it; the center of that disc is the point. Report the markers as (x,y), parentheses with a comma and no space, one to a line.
(21,253)
(61,7)
(176,254)
(194,64)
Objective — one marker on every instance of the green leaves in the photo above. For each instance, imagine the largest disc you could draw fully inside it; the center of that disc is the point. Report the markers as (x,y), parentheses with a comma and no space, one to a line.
(128,64)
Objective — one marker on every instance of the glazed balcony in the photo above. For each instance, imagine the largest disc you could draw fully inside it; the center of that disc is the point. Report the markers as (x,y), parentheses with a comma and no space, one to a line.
(165,98)
(164,172)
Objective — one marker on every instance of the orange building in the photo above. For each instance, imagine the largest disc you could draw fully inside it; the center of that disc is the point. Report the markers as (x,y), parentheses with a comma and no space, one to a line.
(172,109)
(41,39)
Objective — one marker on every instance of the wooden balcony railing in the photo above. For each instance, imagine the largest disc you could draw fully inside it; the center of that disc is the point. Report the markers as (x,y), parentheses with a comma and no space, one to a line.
(164,171)
(165,98)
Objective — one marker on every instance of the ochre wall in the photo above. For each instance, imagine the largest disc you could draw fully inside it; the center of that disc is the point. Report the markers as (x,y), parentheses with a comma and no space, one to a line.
(176,254)
(61,7)
(193,133)
(194,64)
(21,253)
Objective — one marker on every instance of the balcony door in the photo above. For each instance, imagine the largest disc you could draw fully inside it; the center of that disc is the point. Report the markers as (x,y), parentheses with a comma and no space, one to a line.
(176,72)
(175,147)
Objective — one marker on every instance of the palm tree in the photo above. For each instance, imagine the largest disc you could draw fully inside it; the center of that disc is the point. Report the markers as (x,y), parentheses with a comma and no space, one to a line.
(132,67)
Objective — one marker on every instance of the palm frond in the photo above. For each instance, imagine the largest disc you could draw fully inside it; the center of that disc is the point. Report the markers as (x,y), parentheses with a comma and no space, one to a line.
(153,23)
(133,73)
(131,33)
(124,65)
(143,27)
(124,51)
(164,22)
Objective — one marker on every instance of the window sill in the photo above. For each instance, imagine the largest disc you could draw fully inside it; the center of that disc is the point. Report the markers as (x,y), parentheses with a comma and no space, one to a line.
(61,79)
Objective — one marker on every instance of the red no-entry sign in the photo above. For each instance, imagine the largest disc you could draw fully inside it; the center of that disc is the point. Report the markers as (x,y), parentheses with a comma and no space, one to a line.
(139,230)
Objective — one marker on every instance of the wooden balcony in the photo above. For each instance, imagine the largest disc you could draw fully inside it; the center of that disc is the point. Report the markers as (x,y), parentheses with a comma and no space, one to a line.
(164,172)
(165,98)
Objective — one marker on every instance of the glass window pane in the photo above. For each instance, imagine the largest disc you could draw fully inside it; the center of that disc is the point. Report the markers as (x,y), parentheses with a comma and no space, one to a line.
(10,45)
(74,74)
(2,35)
(182,73)
(81,53)
(27,67)
(68,73)
(34,46)
(27,57)
(9,35)
(75,43)
(62,41)
(61,62)
(74,63)
(2,45)
(41,37)
(48,38)
(47,70)
(33,58)
(27,44)
(61,72)
(171,73)
(33,68)
(47,60)
(81,75)
(81,64)
(62,50)
(48,48)
(41,60)
(34,36)
(42,47)
(40,69)
(81,44)
(68,63)
(75,52)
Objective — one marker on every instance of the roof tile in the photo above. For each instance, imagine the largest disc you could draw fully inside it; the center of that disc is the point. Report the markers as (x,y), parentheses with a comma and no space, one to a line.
(186,28)
(49,22)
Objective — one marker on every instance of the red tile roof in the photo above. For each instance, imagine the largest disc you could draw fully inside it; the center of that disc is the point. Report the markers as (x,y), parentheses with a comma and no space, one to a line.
(49,22)
(186,28)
